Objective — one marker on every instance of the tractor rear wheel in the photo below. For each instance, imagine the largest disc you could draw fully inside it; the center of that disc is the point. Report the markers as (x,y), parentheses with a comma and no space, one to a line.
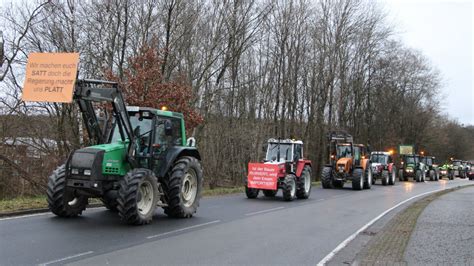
(392,176)
(385,178)
(358,179)
(304,183)
(401,178)
(368,176)
(61,201)
(326,178)
(138,196)
(252,193)
(269,193)
(418,177)
(183,187)
(289,187)
(432,175)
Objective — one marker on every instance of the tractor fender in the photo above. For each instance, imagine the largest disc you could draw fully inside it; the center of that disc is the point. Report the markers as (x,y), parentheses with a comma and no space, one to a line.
(175,152)
(300,166)
(365,163)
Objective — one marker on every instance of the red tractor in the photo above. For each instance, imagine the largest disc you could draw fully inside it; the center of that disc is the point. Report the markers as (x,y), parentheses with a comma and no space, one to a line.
(383,167)
(284,168)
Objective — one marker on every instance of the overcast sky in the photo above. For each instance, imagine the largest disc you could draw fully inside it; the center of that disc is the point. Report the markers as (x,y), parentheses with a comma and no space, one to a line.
(442,31)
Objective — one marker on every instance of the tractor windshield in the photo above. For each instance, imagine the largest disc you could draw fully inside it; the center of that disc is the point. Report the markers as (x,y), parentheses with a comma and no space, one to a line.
(457,163)
(286,152)
(428,161)
(145,128)
(410,160)
(344,151)
(379,158)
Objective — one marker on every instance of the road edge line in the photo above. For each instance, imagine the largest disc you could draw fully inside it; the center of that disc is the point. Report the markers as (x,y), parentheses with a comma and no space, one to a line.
(67,258)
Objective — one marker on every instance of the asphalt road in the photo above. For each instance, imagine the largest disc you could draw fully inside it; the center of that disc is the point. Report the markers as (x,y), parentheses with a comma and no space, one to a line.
(226,230)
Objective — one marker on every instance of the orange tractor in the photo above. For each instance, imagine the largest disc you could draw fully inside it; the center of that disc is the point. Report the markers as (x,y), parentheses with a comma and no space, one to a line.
(346,162)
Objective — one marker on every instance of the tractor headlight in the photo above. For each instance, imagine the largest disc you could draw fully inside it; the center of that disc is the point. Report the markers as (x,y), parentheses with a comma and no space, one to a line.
(74,171)
(87,172)
(409,170)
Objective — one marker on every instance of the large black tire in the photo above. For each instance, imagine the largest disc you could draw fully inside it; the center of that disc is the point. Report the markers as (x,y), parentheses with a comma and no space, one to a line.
(138,196)
(289,187)
(252,193)
(61,201)
(303,189)
(418,176)
(392,176)
(401,178)
(368,177)
(385,178)
(432,175)
(183,187)
(358,177)
(326,177)
(268,193)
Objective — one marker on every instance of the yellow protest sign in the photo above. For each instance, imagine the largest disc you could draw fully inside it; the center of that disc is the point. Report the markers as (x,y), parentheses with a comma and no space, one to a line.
(50,77)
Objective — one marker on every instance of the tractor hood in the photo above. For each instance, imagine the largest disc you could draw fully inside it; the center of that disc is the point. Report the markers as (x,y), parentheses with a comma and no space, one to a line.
(343,164)
(99,161)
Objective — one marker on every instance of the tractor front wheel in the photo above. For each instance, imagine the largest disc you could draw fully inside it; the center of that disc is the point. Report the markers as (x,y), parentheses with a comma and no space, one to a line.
(183,187)
(358,179)
(304,183)
(61,201)
(289,188)
(326,178)
(137,196)
(368,175)
(432,175)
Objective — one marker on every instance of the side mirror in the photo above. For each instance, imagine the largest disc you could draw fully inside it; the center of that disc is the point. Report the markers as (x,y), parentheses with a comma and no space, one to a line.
(191,142)
(264,148)
(168,128)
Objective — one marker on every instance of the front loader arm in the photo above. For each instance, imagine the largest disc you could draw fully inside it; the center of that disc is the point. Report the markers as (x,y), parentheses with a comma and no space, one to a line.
(87,91)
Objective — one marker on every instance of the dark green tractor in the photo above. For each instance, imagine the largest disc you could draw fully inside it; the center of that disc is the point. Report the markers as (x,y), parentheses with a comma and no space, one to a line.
(411,166)
(431,168)
(140,159)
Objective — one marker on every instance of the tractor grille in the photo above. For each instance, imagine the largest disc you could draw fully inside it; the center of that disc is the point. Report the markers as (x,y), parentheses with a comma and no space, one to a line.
(111,170)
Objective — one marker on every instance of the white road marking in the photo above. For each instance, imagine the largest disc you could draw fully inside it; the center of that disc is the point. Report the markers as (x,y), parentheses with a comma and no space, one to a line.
(264,211)
(183,229)
(26,216)
(351,237)
(67,258)
(39,214)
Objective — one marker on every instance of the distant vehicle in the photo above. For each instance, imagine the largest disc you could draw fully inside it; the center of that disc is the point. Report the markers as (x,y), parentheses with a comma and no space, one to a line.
(458,169)
(444,171)
(411,166)
(284,168)
(431,169)
(470,172)
(383,168)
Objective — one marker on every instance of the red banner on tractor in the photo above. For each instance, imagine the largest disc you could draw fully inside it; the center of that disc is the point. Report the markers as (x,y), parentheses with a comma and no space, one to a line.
(263,176)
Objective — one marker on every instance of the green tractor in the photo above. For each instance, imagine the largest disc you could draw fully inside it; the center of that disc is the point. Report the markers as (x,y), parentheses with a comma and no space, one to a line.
(411,166)
(139,160)
(431,168)
(444,171)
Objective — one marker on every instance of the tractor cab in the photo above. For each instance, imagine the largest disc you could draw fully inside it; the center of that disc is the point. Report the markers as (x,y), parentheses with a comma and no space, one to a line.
(284,150)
